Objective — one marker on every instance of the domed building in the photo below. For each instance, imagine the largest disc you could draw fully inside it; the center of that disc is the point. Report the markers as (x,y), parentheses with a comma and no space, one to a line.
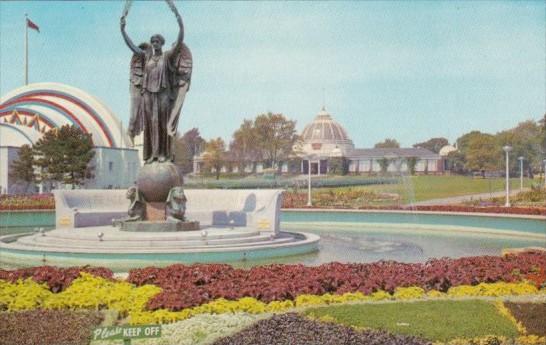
(28,112)
(322,140)
(327,148)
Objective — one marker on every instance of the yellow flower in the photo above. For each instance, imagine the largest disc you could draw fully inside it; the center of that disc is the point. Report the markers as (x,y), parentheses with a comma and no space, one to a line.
(402,293)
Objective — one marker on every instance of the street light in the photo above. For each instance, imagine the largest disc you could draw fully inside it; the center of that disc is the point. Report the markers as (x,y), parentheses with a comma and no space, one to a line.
(521,159)
(507,149)
(544,161)
(309,182)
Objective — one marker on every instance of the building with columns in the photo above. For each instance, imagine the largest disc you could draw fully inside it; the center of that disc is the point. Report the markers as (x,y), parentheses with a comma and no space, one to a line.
(327,148)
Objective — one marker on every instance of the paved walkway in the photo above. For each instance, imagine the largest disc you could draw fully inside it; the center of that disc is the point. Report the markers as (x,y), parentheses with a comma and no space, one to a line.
(462,198)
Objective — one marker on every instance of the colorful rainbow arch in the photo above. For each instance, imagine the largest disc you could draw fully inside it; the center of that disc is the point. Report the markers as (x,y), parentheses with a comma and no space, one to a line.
(36,108)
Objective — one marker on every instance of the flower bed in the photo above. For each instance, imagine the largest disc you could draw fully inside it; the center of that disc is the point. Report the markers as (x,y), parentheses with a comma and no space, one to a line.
(57,279)
(48,327)
(202,329)
(340,200)
(187,286)
(532,316)
(292,329)
(300,201)
(27,202)
(177,292)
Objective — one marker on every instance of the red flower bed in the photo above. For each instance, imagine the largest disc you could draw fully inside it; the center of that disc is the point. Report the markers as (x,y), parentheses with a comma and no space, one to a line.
(539,211)
(187,286)
(27,202)
(56,278)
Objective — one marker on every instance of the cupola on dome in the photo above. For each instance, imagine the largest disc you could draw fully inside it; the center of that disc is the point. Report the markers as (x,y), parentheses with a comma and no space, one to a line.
(324,128)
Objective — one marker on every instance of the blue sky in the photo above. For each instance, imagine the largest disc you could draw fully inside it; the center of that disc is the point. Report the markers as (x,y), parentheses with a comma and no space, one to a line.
(406,70)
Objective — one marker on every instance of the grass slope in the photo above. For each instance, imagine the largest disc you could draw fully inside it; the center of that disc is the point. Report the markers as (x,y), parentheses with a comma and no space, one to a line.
(434,320)
(421,188)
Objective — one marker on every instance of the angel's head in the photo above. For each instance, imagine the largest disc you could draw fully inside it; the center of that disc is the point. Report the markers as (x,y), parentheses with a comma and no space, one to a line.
(157,41)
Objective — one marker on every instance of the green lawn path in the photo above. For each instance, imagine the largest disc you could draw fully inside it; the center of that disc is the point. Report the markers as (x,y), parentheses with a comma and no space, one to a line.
(433,320)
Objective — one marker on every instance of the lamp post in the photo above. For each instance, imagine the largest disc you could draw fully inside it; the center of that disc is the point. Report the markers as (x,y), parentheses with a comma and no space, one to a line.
(309,182)
(521,159)
(507,149)
(544,161)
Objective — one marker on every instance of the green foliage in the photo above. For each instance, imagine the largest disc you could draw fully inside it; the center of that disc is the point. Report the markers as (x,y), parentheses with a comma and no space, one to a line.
(215,155)
(339,165)
(243,147)
(63,155)
(388,144)
(22,169)
(481,151)
(186,147)
(384,164)
(411,162)
(434,320)
(434,144)
(275,137)
(525,140)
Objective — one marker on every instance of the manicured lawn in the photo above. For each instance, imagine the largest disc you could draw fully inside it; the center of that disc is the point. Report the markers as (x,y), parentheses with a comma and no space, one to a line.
(434,320)
(420,188)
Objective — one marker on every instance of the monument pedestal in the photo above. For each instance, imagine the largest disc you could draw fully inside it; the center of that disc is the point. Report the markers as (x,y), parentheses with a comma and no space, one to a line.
(155,211)
(159,226)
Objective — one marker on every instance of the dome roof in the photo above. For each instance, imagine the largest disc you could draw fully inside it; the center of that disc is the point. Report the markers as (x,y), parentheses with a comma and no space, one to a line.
(324,129)
(444,151)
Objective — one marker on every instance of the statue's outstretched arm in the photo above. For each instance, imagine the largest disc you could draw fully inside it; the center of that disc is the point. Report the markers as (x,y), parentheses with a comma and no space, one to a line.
(180,37)
(127,40)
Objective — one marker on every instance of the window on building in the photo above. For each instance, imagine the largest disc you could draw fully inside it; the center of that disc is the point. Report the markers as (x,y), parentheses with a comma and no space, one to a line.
(110,166)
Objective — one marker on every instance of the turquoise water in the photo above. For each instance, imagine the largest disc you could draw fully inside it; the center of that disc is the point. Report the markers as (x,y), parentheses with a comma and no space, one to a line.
(365,237)
(537,226)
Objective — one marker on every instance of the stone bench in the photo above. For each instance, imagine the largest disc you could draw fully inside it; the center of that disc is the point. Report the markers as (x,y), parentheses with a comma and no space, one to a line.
(258,209)
(91,207)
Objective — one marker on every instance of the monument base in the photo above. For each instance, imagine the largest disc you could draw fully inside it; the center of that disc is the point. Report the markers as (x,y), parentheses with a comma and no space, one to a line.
(159,226)
(155,211)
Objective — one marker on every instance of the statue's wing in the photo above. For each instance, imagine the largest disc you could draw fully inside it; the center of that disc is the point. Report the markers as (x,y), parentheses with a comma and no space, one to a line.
(183,67)
(187,60)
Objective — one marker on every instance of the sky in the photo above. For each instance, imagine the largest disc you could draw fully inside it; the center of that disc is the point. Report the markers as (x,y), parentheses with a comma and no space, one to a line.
(406,70)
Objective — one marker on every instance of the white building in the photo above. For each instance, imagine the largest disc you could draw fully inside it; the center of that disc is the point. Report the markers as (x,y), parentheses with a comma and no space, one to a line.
(326,145)
(28,112)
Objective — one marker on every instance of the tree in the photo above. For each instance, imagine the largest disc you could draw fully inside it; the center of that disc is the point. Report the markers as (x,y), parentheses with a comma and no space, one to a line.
(275,137)
(412,163)
(186,147)
(63,155)
(434,144)
(384,164)
(22,169)
(388,144)
(243,147)
(480,151)
(525,140)
(338,165)
(214,157)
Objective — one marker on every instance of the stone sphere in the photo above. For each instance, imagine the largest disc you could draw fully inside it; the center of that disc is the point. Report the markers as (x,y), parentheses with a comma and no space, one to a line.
(155,180)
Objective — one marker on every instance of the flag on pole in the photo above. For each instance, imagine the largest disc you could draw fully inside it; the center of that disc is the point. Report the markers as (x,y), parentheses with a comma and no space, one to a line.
(32,25)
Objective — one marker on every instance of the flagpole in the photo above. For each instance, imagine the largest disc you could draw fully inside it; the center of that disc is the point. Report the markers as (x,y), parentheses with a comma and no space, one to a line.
(26,49)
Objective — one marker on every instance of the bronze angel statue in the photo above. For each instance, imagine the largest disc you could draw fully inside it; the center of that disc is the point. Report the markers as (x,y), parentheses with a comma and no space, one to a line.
(158,84)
